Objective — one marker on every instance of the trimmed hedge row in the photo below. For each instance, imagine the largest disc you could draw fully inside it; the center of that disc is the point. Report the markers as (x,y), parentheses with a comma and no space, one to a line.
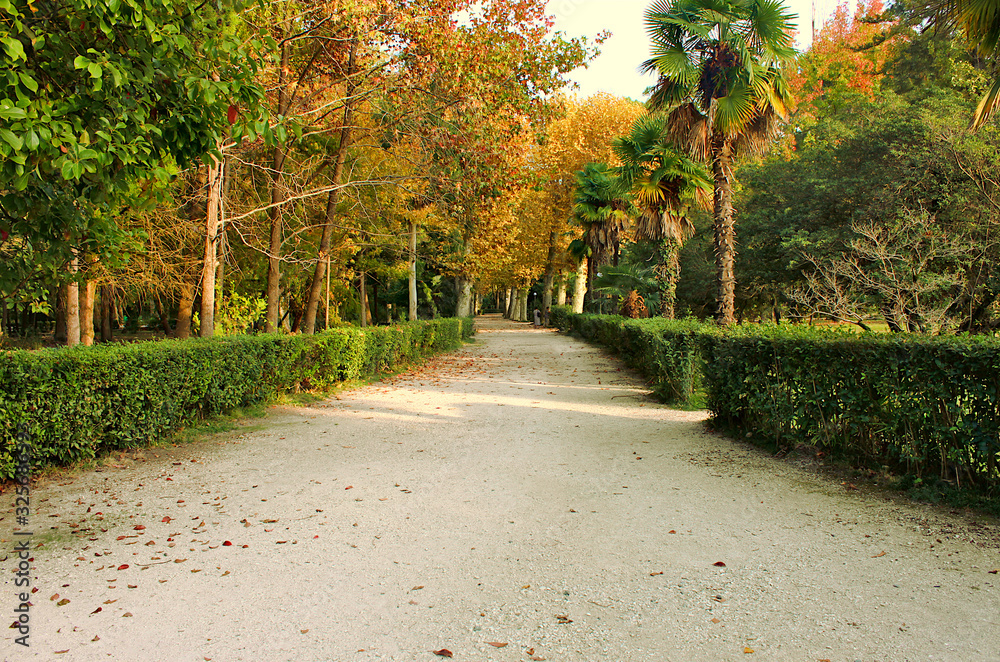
(82,401)
(928,405)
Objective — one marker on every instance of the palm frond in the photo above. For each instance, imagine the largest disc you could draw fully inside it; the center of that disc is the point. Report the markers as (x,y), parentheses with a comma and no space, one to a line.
(987,106)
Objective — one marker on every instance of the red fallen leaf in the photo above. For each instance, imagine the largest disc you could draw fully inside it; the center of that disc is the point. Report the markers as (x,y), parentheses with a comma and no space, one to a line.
(497,644)
(444,652)
(232,114)
(715,620)
(61,652)
(96,638)
(123,566)
(671,531)
(139,527)
(882,553)
(349,487)
(719,564)
(54,597)
(245,546)
(227,544)
(97,610)
(993,572)
(166,519)
(108,602)
(653,574)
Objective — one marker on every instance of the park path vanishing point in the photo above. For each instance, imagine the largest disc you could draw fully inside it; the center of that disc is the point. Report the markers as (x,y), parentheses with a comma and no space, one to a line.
(520,499)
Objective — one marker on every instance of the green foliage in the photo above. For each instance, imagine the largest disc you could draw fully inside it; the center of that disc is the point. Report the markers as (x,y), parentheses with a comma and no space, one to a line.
(559,317)
(101,98)
(926,404)
(79,402)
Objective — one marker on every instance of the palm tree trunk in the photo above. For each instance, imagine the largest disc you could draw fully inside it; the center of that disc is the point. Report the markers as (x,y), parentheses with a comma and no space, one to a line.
(668,272)
(725,231)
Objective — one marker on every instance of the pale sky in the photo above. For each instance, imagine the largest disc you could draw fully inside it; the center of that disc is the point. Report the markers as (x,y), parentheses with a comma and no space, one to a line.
(615,70)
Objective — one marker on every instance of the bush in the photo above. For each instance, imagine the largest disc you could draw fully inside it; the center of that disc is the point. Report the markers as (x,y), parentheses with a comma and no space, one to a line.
(559,316)
(78,402)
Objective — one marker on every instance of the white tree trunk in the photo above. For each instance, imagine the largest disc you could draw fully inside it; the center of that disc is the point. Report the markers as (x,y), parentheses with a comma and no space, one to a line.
(413,271)
(209,266)
(561,290)
(522,305)
(580,287)
(73,307)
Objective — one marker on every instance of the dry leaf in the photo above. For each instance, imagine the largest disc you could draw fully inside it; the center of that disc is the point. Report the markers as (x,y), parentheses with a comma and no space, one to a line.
(304,631)
(671,531)
(497,644)
(653,574)
(123,566)
(227,544)
(97,610)
(96,638)
(110,602)
(64,601)
(719,564)
(444,652)
(417,588)
(127,614)
(747,650)
(715,620)
(139,527)
(166,519)
(879,554)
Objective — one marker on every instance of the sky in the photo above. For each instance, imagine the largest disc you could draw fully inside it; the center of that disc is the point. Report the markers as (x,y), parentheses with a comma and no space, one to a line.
(616,69)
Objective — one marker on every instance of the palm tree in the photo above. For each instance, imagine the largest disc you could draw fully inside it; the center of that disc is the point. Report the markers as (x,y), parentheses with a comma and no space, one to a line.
(719,64)
(662,183)
(980,21)
(603,214)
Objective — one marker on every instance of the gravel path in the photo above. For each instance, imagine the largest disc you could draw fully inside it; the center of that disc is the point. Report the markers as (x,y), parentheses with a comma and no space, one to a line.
(520,499)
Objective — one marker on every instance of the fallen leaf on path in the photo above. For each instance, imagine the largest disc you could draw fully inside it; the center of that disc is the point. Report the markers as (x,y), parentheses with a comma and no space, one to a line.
(139,527)
(97,610)
(64,601)
(497,644)
(879,554)
(304,631)
(747,650)
(719,564)
(109,602)
(127,614)
(993,572)
(54,597)
(227,544)
(123,566)
(96,638)
(671,531)
(444,652)
(715,620)
(61,652)
(417,588)
(563,619)
(166,519)
(653,574)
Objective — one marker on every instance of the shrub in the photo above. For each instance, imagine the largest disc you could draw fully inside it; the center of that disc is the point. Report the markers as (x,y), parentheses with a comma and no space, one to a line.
(78,402)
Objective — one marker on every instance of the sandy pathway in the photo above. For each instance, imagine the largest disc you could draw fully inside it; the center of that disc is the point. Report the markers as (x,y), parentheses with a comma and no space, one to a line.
(522,491)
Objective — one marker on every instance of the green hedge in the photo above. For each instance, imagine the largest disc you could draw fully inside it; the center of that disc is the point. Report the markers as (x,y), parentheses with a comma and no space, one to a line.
(79,402)
(928,405)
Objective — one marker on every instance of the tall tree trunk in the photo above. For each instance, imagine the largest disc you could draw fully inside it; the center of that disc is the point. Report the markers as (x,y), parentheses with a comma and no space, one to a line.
(561,289)
(184,310)
(209,266)
(412,316)
(73,306)
(725,231)
(374,302)
(107,333)
(511,304)
(363,297)
(550,275)
(668,273)
(272,318)
(463,308)
(316,285)
(580,285)
(522,304)
(87,296)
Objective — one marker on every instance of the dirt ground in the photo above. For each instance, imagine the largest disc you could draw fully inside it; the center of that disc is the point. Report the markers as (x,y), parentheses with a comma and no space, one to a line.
(520,499)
